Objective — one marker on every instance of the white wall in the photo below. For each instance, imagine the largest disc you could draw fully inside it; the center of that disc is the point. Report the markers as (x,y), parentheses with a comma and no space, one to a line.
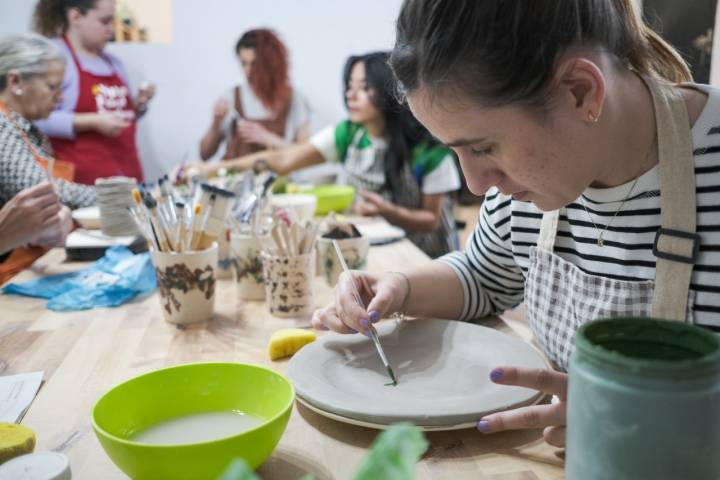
(200,64)
(715,65)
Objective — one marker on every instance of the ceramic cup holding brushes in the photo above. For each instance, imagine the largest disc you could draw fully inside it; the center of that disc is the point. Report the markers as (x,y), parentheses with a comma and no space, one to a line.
(186,282)
(184,249)
(354,248)
(289,269)
(248,264)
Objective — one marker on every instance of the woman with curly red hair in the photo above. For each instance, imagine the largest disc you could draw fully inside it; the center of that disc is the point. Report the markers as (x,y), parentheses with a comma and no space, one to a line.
(262,112)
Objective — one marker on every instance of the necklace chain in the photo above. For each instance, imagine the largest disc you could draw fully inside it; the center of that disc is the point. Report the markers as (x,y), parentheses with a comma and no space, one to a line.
(600,240)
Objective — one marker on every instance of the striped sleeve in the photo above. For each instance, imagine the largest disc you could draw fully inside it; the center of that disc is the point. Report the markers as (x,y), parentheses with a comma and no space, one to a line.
(491,279)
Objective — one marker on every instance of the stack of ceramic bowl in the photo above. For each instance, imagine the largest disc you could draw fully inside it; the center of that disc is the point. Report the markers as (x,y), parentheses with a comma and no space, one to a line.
(114,197)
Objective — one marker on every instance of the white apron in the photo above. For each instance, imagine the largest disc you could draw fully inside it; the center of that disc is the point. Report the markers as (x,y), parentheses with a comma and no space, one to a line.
(559,297)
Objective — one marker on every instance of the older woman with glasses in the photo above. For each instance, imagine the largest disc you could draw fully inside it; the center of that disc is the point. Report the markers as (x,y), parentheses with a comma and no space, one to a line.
(32,212)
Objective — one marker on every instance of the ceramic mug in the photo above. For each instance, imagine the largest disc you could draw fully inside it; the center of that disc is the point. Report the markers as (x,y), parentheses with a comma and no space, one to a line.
(248,265)
(354,250)
(643,401)
(289,284)
(186,283)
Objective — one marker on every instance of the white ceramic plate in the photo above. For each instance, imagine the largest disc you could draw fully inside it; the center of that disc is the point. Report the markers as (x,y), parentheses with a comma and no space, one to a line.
(379,233)
(88,217)
(442,367)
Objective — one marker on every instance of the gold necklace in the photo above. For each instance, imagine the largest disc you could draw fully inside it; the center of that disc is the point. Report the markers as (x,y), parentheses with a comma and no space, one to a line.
(600,240)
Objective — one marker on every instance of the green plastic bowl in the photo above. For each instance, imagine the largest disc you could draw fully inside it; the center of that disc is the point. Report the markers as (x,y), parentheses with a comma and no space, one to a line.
(331,198)
(187,389)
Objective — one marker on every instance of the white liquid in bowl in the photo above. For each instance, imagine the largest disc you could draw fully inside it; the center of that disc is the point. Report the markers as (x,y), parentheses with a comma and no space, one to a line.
(196,428)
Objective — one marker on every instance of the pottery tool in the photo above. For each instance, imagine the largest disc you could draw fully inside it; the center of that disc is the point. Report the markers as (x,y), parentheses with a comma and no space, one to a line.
(371,328)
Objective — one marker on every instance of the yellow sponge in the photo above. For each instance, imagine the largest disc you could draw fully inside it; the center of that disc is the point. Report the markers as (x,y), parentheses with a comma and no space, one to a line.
(285,342)
(15,440)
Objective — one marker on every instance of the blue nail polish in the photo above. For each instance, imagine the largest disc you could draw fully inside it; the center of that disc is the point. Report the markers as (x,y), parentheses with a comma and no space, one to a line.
(483,426)
(374,316)
(364,323)
(496,374)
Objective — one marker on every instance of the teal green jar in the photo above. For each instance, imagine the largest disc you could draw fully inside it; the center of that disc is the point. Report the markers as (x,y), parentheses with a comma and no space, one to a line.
(644,402)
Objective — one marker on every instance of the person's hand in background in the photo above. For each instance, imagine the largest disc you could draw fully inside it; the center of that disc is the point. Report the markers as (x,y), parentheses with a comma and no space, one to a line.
(28,214)
(55,230)
(111,124)
(254,132)
(220,111)
(145,94)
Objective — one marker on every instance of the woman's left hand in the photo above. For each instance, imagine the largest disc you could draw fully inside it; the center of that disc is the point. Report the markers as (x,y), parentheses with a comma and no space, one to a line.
(254,132)
(370,204)
(551,417)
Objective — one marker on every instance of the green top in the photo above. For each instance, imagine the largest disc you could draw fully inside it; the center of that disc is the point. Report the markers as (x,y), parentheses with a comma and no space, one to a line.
(425,157)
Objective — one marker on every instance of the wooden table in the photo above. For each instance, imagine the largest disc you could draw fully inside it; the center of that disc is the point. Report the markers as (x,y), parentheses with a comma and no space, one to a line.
(85,353)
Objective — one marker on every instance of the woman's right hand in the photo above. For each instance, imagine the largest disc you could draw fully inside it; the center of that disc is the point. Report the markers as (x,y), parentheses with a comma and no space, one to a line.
(220,110)
(28,214)
(111,124)
(383,294)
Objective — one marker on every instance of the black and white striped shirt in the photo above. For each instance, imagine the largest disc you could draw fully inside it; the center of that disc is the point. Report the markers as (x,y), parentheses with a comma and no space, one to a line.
(493,267)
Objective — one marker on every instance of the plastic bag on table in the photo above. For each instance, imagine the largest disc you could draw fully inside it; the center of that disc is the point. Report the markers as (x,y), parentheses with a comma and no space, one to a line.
(111,281)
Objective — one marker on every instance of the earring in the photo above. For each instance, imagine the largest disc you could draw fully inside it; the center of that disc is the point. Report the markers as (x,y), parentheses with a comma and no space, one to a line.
(592,118)
(18,92)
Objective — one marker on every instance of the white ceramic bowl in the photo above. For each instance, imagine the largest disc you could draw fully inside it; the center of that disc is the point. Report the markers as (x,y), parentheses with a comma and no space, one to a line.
(302,204)
(88,217)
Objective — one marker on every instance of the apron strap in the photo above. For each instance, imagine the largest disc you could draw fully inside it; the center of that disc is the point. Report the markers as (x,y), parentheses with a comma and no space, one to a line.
(548,230)
(676,244)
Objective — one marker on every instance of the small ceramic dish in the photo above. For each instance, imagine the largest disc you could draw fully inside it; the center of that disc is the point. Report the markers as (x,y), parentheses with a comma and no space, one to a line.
(88,217)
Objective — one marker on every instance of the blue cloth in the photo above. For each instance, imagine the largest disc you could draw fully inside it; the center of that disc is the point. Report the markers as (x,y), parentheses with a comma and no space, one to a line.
(111,281)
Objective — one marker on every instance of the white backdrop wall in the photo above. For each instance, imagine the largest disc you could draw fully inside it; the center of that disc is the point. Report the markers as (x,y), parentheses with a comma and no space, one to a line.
(191,72)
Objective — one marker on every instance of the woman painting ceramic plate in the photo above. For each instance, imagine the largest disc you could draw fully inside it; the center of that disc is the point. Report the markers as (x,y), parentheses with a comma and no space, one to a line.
(600,170)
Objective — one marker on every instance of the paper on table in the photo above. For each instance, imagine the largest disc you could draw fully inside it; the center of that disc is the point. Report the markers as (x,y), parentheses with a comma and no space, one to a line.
(16,394)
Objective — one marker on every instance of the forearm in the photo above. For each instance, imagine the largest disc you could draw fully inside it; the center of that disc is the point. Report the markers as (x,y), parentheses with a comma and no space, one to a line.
(85,122)
(276,142)
(210,142)
(435,292)
(281,162)
(411,220)
(60,124)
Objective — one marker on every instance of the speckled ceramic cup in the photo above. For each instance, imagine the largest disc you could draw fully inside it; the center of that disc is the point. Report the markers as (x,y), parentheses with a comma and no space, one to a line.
(289,284)
(355,251)
(248,265)
(186,284)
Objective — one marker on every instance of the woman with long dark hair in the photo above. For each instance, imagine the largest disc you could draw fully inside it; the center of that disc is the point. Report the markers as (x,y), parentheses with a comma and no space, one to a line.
(94,124)
(600,168)
(262,112)
(401,173)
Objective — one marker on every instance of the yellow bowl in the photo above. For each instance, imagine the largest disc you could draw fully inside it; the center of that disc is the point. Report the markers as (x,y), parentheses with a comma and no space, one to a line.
(332,198)
(191,389)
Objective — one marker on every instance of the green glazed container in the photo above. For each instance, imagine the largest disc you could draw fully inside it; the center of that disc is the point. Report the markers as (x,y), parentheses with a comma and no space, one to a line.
(644,402)
(187,389)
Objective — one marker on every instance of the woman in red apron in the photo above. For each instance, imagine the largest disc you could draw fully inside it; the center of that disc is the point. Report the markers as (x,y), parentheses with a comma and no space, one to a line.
(94,126)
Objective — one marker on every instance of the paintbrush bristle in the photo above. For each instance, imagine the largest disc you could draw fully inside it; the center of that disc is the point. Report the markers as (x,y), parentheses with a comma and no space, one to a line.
(137,197)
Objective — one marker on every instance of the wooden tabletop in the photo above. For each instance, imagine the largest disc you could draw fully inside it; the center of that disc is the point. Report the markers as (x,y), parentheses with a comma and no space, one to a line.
(84,354)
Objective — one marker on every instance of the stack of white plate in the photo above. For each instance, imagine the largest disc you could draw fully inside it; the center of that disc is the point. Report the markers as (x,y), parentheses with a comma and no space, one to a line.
(114,198)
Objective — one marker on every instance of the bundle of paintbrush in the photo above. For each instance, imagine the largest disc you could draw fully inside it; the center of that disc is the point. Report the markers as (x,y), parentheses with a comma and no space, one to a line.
(172,226)
(251,194)
(290,237)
